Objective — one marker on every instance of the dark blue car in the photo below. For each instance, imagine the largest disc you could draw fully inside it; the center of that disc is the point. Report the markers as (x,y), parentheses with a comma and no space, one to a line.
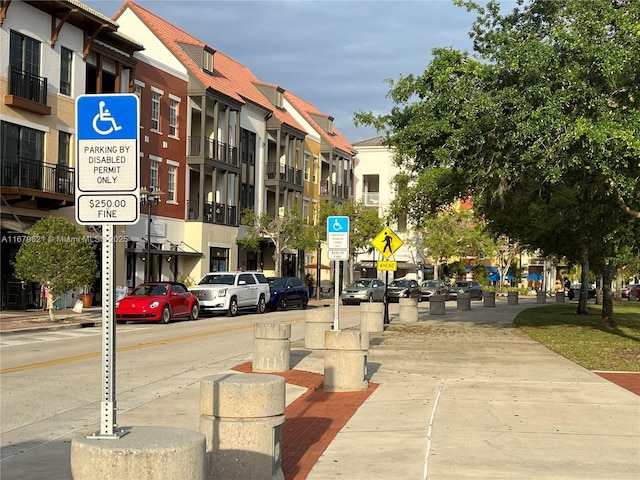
(286,292)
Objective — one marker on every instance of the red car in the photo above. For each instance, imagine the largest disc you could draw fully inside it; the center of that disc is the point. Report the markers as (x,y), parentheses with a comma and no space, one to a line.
(157,302)
(634,293)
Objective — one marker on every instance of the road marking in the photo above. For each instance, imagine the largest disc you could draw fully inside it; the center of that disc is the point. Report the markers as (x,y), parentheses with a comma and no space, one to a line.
(29,338)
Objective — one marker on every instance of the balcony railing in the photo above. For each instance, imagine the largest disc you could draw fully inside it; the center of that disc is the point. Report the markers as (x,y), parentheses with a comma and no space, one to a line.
(218,213)
(372,199)
(36,175)
(214,150)
(284,173)
(27,85)
(334,189)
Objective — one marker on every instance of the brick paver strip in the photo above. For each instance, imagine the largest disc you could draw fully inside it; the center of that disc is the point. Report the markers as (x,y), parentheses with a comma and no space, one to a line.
(312,420)
(628,380)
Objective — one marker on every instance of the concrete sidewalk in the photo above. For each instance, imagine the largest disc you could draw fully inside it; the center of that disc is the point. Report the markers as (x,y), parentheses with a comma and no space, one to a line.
(460,395)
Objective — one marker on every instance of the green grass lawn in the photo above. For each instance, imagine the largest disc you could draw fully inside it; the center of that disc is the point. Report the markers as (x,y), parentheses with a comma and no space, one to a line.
(581,339)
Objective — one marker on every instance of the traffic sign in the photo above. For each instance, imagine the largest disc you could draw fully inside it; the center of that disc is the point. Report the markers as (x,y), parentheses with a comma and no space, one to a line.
(108,162)
(338,255)
(387,265)
(338,233)
(387,242)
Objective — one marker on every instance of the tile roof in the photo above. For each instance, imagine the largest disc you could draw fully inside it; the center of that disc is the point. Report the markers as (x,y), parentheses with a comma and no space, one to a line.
(230,77)
(308,111)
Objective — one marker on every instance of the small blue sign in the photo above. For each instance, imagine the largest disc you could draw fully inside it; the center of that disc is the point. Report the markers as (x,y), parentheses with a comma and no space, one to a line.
(338,224)
(107,117)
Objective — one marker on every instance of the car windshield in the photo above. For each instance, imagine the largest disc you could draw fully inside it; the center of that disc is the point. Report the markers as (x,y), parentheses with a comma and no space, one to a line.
(278,282)
(461,284)
(430,284)
(218,279)
(150,290)
(400,283)
(361,283)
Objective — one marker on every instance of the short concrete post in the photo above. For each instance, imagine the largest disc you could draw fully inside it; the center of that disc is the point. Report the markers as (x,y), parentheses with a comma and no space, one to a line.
(559,297)
(271,347)
(145,453)
(437,304)
(576,295)
(371,317)
(463,302)
(408,309)
(512,298)
(489,299)
(345,361)
(241,419)
(318,321)
(541,297)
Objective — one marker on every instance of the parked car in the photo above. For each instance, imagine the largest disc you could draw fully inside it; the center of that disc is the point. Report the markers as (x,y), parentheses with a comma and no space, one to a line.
(576,287)
(286,292)
(634,293)
(403,288)
(473,288)
(157,302)
(433,287)
(232,291)
(363,290)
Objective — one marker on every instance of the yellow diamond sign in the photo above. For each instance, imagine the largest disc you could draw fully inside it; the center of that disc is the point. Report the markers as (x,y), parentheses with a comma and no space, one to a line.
(387,242)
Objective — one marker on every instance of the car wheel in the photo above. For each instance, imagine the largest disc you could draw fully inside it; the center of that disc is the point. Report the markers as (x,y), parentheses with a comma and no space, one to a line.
(262,305)
(305,302)
(233,307)
(195,312)
(282,304)
(166,315)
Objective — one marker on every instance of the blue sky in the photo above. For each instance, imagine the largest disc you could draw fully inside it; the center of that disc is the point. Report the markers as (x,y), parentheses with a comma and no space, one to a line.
(335,54)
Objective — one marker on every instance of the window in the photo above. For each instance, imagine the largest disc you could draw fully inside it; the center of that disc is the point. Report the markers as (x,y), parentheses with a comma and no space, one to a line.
(64,148)
(218,259)
(306,166)
(153,173)
(279,98)
(171,182)
(21,143)
(207,61)
(173,117)
(24,58)
(155,111)
(137,88)
(66,63)
(314,169)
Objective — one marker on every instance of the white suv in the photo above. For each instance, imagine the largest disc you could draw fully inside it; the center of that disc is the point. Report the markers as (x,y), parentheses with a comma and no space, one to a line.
(232,291)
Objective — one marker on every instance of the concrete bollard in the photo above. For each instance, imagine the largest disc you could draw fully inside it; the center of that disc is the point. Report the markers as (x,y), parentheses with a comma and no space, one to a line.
(512,298)
(463,302)
(345,361)
(541,297)
(437,304)
(271,347)
(559,297)
(145,453)
(371,317)
(318,321)
(489,299)
(408,309)
(241,419)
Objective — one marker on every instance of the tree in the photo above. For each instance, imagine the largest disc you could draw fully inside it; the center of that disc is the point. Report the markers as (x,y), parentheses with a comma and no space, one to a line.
(57,255)
(286,231)
(545,114)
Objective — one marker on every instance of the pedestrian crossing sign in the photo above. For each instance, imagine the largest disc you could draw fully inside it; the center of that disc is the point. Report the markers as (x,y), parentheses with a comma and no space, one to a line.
(387,242)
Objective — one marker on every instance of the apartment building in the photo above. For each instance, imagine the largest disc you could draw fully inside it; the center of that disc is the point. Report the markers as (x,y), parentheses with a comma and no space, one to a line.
(50,53)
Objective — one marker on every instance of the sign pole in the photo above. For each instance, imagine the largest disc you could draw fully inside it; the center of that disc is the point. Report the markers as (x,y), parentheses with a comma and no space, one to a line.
(386,297)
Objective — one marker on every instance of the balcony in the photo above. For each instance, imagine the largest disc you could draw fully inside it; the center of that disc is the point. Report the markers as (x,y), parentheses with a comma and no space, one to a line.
(334,192)
(213,150)
(217,213)
(372,199)
(49,184)
(277,173)
(27,92)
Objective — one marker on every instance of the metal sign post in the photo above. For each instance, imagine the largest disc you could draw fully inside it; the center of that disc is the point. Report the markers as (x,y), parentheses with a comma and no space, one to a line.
(107,194)
(338,249)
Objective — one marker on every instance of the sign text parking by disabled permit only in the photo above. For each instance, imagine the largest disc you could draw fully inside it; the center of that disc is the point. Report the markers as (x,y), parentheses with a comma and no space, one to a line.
(108,162)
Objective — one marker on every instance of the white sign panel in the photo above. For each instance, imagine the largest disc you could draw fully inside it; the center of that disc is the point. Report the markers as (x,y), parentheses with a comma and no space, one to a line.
(338,233)
(338,255)
(108,162)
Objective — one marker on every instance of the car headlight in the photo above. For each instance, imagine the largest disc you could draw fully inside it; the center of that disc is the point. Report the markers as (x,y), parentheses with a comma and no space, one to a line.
(117,303)
(154,304)
(222,292)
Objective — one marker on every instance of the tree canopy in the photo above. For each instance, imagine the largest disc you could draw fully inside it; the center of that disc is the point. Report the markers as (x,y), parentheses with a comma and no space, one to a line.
(539,126)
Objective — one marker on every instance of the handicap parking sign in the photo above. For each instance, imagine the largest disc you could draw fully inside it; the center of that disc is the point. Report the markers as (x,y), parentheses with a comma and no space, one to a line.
(108,162)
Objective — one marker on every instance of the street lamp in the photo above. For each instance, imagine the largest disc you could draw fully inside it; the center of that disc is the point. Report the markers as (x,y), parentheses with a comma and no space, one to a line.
(149,198)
